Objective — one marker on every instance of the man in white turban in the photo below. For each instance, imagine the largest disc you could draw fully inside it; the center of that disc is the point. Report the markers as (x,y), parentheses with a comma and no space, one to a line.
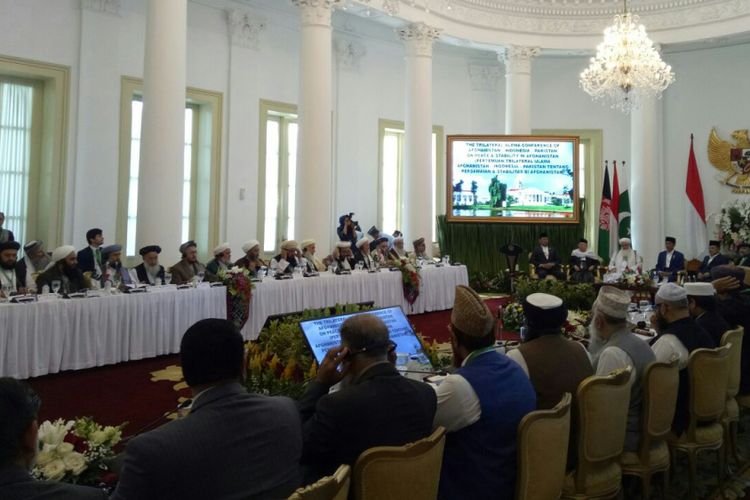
(252,260)
(63,267)
(221,261)
(288,258)
(626,259)
(342,256)
(314,264)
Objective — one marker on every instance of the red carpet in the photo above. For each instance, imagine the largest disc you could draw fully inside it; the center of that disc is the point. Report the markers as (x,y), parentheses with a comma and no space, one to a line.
(125,393)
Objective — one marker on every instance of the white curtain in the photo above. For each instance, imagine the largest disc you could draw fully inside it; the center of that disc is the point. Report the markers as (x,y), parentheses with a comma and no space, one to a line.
(15,151)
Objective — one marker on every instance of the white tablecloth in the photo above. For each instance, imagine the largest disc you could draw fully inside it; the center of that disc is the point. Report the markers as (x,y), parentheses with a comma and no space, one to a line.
(46,337)
(273,296)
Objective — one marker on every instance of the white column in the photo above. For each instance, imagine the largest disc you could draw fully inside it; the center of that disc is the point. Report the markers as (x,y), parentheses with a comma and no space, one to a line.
(314,216)
(163,128)
(416,195)
(646,196)
(517,62)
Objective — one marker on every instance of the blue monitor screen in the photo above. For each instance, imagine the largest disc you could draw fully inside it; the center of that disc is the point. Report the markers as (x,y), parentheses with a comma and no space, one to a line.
(323,333)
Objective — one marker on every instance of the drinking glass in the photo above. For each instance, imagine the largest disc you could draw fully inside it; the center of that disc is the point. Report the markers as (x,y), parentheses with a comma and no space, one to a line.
(644,306)
(6,292)
(446,259)
(167,278)
(55,286)
(263,272)
(200,276)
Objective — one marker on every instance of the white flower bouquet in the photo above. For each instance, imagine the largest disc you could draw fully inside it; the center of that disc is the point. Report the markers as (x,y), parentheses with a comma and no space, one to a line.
(77,451)
(734,223)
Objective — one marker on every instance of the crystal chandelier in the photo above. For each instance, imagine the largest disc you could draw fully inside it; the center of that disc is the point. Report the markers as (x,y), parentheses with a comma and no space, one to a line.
(627,66)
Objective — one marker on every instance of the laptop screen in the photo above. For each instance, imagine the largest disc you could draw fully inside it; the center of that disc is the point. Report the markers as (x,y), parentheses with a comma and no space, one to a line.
(323,333)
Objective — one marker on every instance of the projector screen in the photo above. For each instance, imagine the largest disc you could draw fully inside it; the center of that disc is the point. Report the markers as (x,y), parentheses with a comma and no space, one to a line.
(507,178)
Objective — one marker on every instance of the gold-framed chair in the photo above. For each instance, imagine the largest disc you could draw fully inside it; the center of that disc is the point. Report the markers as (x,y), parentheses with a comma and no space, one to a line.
(603,403)
(409,472)
(731,417)
(535,276)
(708,372)
(334,487)
(660,385)
(543,451)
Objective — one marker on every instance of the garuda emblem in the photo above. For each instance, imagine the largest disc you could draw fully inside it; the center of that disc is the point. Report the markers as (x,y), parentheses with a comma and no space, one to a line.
(732,159)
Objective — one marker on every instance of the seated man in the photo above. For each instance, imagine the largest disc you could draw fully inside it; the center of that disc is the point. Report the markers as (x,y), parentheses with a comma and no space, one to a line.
(35,259)
(314,264)
(222,259)
(743,258)
(232,444)
(712,260)
(733,305)
(545,260)
(287,258)
(613,346)
(184,271)
(583,262)
(380,251)
(150,272)
(677,334)
(480,406)
(342,257)
(376,407)
(251,261)
(420,251)
(626,259)
(113,270)
(90,258)
(669,261)
(397,251)
(702,307)
(63,267)
(363,245)
(19,445)
(5,234)
(12,274)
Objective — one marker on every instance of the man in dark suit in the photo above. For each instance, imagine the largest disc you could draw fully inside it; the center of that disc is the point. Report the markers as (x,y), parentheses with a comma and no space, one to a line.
(19,443)
(702,306)
(377,407)
(90,258)
(232,444)
(670,261)
(5,234)
(743,249)
(150,272)
(545,260)
(713,259)
(12,272)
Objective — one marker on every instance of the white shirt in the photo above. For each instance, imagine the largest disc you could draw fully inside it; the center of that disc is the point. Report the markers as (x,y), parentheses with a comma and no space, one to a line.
(625,259)
(30,270)
(668,259)
(546,252)
(669,345)
(613,358)
(8,279)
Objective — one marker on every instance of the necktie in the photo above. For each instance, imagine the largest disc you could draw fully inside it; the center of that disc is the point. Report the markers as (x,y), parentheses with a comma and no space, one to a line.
(99,257)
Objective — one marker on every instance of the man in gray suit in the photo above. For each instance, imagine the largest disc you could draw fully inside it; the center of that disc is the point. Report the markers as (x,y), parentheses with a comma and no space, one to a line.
(19,443)
(232,444)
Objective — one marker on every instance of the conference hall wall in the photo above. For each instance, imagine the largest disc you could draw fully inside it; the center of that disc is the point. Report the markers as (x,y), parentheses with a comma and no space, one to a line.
(100,48)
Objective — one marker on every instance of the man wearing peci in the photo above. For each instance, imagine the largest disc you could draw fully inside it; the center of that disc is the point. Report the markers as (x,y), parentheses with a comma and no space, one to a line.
(714,259)
(545,260)
(669,261)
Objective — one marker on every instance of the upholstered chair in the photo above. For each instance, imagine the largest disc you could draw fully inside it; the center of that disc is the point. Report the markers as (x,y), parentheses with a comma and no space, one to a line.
(335,487)
(542,452)
(411,471)
(731,417)
(603,403)
(708,371)
(660,384)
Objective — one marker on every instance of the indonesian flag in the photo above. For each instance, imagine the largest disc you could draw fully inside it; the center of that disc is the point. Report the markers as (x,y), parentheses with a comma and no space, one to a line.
(606,218)
(697,239)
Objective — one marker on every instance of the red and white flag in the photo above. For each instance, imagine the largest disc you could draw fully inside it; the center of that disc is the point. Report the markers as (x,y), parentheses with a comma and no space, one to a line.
(697,239)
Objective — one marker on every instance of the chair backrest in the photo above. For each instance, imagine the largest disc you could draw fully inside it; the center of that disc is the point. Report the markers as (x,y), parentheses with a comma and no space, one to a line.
(734,338)
(543,451)
(603,403)
(410,471)
(692,266)
(335,487)
(708,370)
(661,382)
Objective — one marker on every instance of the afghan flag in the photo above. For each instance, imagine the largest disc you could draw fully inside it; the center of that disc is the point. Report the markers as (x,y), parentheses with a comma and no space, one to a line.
(697,240)
(606,218)
(623,213)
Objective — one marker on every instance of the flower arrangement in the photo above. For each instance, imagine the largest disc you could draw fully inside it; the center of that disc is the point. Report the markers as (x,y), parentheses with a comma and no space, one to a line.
(630,277)
(513,317)
(410,279)
(576,325)
(77,451)
(734,223)
(579,296)
(280,362)
(239,292)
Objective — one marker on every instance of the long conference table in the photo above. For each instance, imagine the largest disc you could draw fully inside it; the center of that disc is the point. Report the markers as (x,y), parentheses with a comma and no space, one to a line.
(49,336)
